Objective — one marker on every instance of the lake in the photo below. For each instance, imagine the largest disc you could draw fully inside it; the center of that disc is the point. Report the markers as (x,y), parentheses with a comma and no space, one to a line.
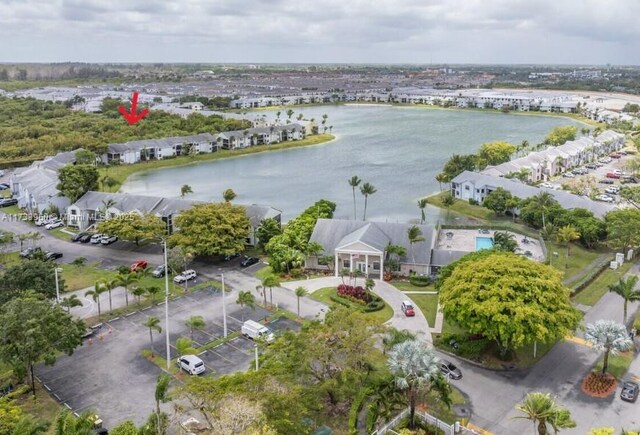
(397,149)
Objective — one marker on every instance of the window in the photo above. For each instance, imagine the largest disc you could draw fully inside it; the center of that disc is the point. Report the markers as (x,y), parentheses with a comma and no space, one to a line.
(376,265)
(74,212)
(346,264)
(466,187)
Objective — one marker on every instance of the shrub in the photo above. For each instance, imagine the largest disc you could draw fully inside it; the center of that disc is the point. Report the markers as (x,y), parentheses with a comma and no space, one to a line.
(357,292)
(340,301)
(420,281)
(473,202)
(295,273)
(376,304)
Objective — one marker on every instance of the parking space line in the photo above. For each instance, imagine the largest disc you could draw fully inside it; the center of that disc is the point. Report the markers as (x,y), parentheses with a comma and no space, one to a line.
(237,348)
(67,405)
(131,314)
(219,354)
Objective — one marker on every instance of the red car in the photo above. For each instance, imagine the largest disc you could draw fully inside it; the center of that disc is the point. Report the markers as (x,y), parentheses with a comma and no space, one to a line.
(142,264)
(613,175)
(407,309)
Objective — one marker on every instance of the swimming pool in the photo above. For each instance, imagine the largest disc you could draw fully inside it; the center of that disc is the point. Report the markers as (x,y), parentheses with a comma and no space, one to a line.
(484,243)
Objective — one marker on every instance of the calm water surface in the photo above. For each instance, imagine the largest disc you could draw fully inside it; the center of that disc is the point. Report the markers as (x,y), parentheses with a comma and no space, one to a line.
(398,150)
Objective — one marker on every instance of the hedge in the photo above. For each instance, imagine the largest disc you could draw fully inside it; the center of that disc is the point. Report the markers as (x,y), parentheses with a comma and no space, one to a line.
(375,305)
(356,407)
(590,277)
(420,281)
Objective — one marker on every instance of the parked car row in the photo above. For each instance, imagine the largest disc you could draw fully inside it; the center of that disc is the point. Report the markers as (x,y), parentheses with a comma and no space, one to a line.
(47,255)
(95,239)
(6,202)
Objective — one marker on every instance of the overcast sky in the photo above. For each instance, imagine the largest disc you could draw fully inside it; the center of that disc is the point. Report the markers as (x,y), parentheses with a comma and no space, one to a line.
(318,31)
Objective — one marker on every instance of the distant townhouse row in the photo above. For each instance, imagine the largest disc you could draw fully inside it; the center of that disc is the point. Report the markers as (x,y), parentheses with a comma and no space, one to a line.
(555,160)
(157,149)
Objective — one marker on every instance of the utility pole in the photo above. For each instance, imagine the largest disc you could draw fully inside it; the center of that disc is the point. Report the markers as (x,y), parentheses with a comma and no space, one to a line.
(55,271)
(224,309)
(166,302)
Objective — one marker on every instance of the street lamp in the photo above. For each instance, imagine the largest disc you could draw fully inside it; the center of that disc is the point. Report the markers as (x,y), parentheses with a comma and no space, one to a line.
(224,307)
(55,271)
(166,302)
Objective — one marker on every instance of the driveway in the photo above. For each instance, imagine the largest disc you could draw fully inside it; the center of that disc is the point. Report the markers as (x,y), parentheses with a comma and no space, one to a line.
(391,295)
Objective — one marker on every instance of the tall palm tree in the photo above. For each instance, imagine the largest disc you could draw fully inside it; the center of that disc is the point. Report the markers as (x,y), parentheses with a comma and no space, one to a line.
(126,280)
(567,234)
(442,177)
(228,195)
(71,301)
(98,288)
(300,292)
(609,336)
(68,424)
(193,323)
(505,241)
(626,289)
(153,323)
(23,237)
(541,409)
(367,189)
(414,367)
(161,395)
(543,201)
(414,234)
(271,281)
(185,190)
(354,182)
(34,237)
(422,204)
(184,346)
(263,291)
(111,284)
(138,292)
(246,298)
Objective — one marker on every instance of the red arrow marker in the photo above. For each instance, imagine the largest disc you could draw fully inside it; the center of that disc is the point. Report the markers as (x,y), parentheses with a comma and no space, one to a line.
(133,117)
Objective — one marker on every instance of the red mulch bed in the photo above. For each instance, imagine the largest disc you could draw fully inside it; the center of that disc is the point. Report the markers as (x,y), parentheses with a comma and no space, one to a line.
(596,384)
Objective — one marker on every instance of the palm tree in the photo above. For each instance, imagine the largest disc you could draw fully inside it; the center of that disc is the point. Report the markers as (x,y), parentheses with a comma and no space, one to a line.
(263,291)
(111,284)
(126,280)
(422,204)
(367,189)
(98,288)
(626,289)
(228,195)
(68,424)
(414,366)
(193,323)
(153,323)
(34,237)
(414,234)
(270,281)
(246,298)
(161,396)
(151,291)
(354,182)
(567,234)
(184,346)
(543,201)
(138,292)
(541,409)
(289,113)
(71,301)
(185,190)
(442,177)
(505,241)
(609,336)
(300,292)
(23,237)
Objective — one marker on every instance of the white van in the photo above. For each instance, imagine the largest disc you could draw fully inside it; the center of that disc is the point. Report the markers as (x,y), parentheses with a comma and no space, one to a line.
(255,330)
(191,364)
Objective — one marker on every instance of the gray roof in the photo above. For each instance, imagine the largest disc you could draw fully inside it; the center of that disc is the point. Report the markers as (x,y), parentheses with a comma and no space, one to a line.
(256,213)
(524,191)
(442,257)
(165,142)
(122,201)
(334,233)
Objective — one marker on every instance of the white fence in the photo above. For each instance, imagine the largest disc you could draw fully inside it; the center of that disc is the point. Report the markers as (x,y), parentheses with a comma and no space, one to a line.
(448,429)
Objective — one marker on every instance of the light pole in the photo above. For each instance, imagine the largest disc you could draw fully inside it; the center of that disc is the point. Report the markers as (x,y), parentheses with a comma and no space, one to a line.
(224,308)
(55,271)
(166,302)
(256,347)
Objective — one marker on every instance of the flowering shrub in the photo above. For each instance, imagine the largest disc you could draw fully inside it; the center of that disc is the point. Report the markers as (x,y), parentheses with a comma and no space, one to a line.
(598,385)
(357,292)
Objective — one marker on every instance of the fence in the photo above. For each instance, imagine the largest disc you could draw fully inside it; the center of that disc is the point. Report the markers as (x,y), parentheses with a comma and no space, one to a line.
(448,429)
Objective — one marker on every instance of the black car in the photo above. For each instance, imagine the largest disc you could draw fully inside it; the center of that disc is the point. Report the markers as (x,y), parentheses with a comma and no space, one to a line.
(77,237)
(629,391)
(605,181)
(591,166)
(85,238)
(248,261)
(627,180)
(51,255)
(6,202)
(4,186)
(450,370)
(27,253)
(230,257)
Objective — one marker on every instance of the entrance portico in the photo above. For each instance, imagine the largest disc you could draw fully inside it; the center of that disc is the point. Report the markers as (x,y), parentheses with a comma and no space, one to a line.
(358,256)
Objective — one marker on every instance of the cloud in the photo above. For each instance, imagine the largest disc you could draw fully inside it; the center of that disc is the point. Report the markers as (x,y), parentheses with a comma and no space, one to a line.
(504,31)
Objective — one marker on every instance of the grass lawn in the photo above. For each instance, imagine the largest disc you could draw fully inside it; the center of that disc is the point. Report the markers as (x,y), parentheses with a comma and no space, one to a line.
(59,234)
(263,273)
(436,408)
(77,278)
(462,207)
(120,173)
(324,295)
(578,259)
(12,209)
(618,364)
(428,304)
(407,286)
(44,408)
(9,258)
(5,193)
(592,294)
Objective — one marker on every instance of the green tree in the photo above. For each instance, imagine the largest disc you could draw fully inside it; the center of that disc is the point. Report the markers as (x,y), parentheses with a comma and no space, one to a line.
(442,177)
(185,190)
(367,189)
(505,241)
(76,180)
(300,292)
(626,289)
(70,301)
(68,424)
(543,201)
(415,367)
(162,396)
(542,410)
(184,346)
(133,227)
(229,195)
(507,298)
(354,182)
(85,157)
(153,323)
(414,234)
(457,164)
(126,280)
(631,195)
(561,134)
(607,336)
(34,330)
(498,200)
(271,281)
(212,229)
(268,228)
(138,292)
(127,427)
(447,200)
(194,323)
(623,228)
(289,113)
(494,153)
(99,287)
(33,275)
(422,204)
(567,235)
(246,298)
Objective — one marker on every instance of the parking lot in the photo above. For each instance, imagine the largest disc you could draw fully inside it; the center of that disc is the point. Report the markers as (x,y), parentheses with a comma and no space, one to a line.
(109,374)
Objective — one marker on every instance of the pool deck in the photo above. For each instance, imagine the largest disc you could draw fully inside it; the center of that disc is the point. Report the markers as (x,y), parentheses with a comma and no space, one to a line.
(465,240)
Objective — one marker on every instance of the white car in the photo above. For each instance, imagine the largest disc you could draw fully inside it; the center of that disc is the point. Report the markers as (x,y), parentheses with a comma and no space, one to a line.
(606,160)
(547,185)
(95,239)
(43,220)
(612,189)
(185,276)
(191,364)
(604,198)
(568,175)
(107,240)
(56,223)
